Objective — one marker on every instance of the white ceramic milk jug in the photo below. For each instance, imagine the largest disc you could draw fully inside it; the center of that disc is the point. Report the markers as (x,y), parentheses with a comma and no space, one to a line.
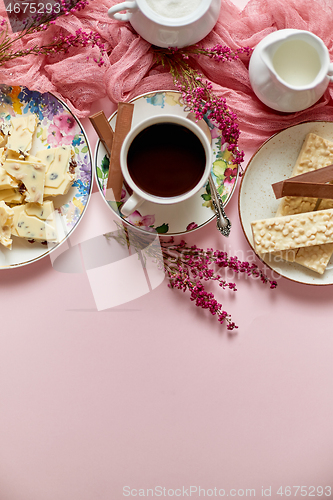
(290,70)
(162,28)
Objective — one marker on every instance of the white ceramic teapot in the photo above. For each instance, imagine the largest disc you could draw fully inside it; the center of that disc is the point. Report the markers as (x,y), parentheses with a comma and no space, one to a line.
(163,28)
(290,70)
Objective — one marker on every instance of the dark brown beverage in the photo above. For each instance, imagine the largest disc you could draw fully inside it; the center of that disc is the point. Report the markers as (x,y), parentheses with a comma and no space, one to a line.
(166,160)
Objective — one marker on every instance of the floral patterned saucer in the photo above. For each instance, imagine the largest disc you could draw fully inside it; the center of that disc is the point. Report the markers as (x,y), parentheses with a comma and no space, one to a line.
(56,126)
(186,216)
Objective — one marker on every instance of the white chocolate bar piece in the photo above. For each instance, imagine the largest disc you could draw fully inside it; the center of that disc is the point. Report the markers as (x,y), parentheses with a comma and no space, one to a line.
(31,173)
(59,174)
(6,220)
(293,231)
(21,132)
(315,258)
(35,222)
(325,204)
(3,138)
(6,181)
(11,196)
(2,156)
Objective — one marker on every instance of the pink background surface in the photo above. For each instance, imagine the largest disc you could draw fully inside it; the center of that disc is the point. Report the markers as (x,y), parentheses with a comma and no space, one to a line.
(154,393)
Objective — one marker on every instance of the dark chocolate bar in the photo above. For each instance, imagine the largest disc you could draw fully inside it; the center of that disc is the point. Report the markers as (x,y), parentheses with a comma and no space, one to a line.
(103,129)
(123,126)
(311,184)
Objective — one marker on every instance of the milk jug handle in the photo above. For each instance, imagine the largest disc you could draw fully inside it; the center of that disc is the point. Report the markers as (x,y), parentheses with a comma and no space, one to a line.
(114,12)
(330,72)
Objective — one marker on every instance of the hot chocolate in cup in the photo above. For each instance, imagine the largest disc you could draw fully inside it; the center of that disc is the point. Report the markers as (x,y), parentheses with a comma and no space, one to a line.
(165,159)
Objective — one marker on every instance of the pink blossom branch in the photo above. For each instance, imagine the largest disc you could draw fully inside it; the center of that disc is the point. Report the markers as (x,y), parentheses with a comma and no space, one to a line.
(61,43)
(189,267)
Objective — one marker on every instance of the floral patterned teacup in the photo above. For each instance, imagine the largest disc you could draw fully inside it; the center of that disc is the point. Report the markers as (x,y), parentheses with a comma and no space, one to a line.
(165,159)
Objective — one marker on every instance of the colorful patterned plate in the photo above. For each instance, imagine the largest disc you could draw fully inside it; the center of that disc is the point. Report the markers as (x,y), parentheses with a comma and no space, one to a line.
(182,217)
(56,126)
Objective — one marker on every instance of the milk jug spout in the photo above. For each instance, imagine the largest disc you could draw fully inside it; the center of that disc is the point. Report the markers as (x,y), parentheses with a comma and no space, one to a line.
(269,50)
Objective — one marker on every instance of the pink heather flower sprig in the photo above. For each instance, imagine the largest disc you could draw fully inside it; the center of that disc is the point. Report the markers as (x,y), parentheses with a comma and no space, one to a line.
(40,21)
(61,43)
(201,100)
(220,53)
(197,93)
(189,267)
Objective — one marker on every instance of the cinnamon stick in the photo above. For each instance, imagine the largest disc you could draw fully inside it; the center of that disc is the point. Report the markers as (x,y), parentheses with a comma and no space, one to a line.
(123,126)
(311,184)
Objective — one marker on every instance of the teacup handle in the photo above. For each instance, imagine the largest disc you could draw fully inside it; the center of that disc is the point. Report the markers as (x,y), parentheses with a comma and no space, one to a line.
(113,12)
(133,202)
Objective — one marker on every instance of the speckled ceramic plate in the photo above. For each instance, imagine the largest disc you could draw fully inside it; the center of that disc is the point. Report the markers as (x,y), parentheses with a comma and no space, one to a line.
(273,162)
(56,126)
(182,217)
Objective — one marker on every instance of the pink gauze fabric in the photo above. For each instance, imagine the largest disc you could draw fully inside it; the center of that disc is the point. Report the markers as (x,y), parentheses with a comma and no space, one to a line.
(129,69)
